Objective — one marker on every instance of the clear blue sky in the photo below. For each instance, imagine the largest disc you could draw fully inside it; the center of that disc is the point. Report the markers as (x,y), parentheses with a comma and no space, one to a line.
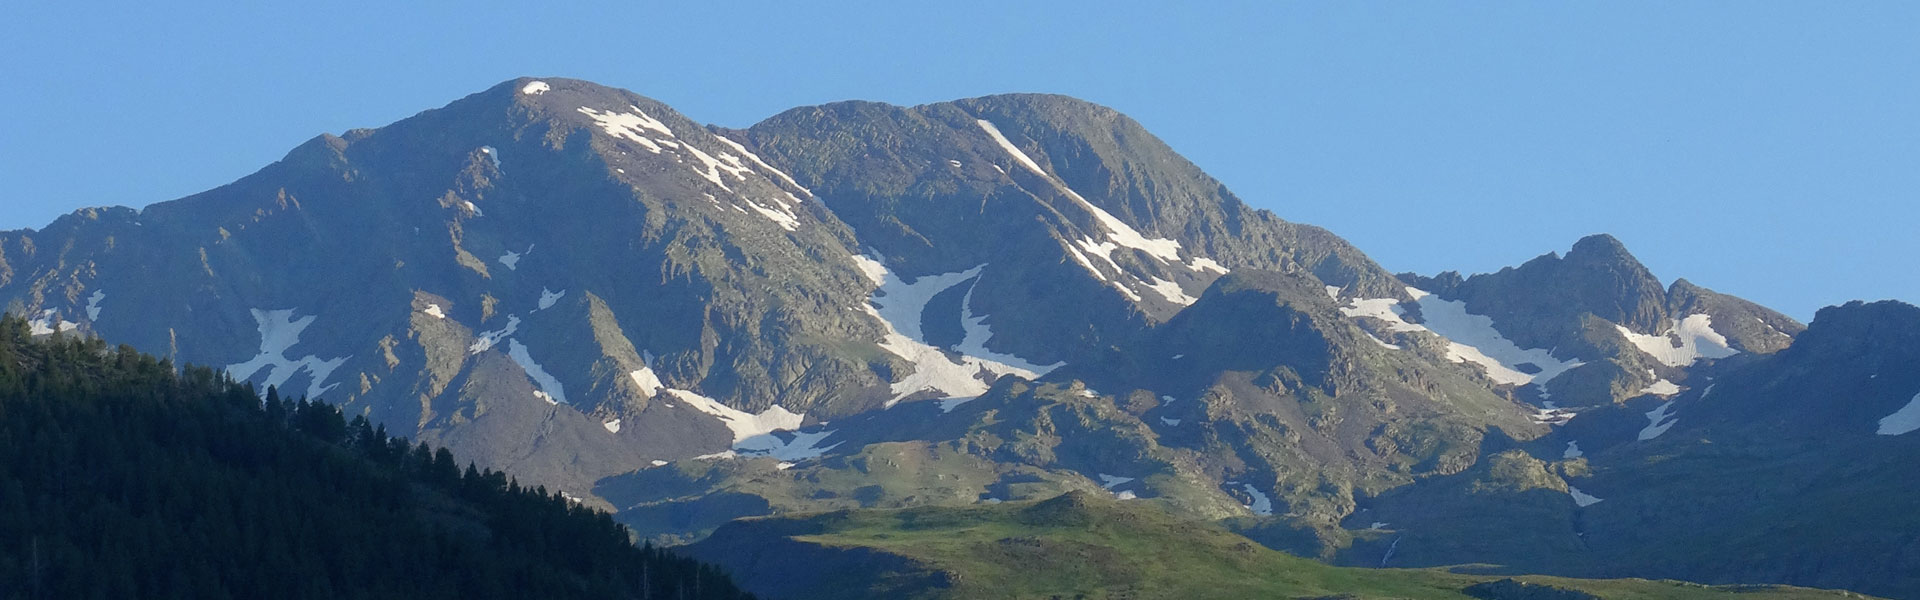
(1769,150)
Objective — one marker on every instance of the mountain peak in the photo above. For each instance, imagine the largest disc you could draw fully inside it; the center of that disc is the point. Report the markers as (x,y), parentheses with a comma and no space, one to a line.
(1600,247)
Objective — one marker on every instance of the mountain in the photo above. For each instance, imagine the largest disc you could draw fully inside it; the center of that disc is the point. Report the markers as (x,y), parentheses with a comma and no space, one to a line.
(998,299)
(1083,545)
(125,479)
(1788,467)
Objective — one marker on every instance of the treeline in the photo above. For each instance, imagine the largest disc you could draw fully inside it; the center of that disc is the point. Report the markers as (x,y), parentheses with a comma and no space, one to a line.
(122,477)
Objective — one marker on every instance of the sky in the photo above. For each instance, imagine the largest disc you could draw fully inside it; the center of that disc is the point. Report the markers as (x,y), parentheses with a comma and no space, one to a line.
(1764,149)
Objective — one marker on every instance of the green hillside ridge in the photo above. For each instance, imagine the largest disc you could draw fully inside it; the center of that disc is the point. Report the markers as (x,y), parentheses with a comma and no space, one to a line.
(1084,545)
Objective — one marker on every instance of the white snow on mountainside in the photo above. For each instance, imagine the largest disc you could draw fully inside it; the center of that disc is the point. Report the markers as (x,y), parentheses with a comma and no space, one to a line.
(1470,337)
(899,304)
(1118,235)
(758,434)
(1696,339)
(280,331)
(1902,421)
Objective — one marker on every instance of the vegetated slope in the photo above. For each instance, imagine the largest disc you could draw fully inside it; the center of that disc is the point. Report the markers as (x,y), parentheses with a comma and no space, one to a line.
(1081,545)
(121,479)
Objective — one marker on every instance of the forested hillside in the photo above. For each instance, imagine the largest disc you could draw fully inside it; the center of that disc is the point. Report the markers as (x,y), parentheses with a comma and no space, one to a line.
(122,477)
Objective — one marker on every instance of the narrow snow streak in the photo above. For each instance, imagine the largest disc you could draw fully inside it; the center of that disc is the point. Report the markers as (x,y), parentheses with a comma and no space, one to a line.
(978,334)
(763,164)
(549,386)
(1119,233)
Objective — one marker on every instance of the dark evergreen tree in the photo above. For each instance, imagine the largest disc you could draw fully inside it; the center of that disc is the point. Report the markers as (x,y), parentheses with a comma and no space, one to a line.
(120,478)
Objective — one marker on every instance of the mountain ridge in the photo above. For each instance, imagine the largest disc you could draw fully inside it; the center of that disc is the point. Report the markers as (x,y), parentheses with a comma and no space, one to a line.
(861,305)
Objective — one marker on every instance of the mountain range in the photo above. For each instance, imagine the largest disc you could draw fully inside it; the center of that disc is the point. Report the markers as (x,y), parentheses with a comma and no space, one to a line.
(860,306)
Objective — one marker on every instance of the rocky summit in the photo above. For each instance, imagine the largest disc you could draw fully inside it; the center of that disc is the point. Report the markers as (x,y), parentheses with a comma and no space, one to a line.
(1001,299)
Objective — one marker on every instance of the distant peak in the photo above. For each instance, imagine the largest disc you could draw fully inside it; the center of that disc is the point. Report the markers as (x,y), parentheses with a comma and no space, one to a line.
(1599,245)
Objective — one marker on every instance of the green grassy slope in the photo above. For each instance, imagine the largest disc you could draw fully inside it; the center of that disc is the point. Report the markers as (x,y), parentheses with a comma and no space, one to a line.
(1082,545)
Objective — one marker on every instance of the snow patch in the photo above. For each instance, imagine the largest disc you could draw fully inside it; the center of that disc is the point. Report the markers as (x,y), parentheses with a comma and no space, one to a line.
(1552,415)
(1581,499)
(763,164)
(535,88)
(279,332)
(648,382)
(1573,451)
(1696,339)
(548,298)
(93,304)
(629,126)
(1110,481)
(488,339)
(799,445)
(1659,420)
(1262,505)
(1201,263)
(948,404)
(1902,421)
(1119,233)
(785,219)
(899,304)
(1170,422)
(875,272)
(756,435)
(743,424)
(1661,388)
(1171,291)
(612,426)
(550,389)
(512,259)
(974,343)
(49,323)
(1377,525)
(1470,337)
(659,463)
(433,310)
